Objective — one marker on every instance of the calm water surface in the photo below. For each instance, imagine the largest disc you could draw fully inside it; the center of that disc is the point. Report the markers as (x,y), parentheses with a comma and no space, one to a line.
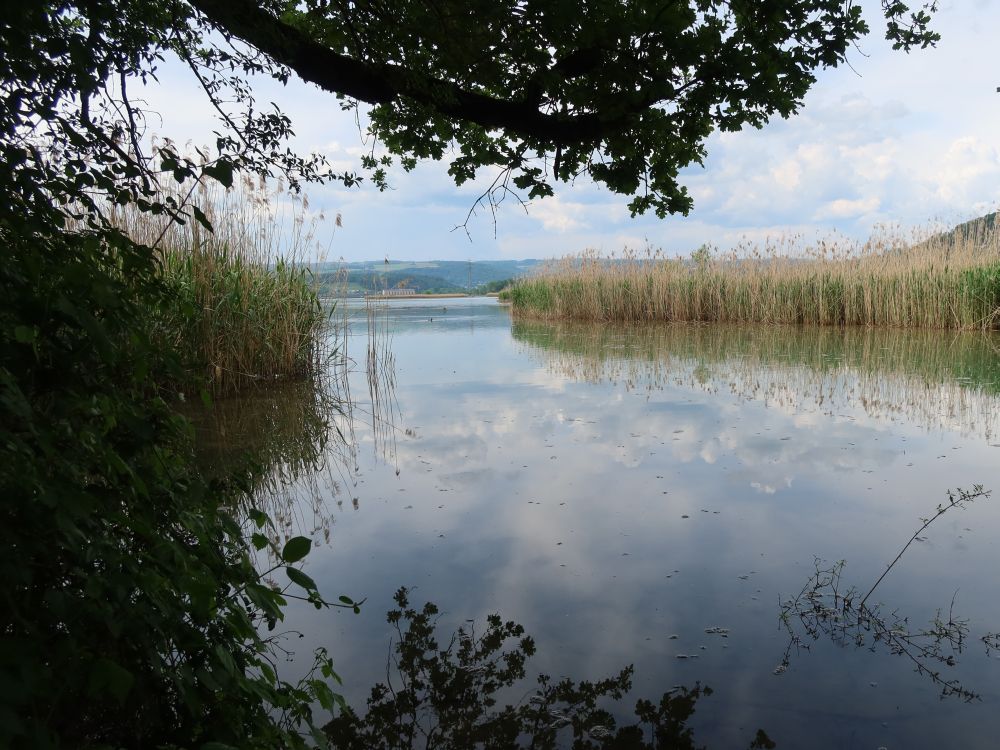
(621,491)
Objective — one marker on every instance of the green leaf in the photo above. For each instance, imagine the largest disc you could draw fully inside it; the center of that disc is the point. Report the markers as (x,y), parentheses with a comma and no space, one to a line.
(328,671)
(111,676)
(266,598)
(258,540)
(25,334)
(226,659)
(296,548)
(200,217)
(319,737)
(268,672)
(259,517)
(222,171)
(297,576)
(206,678)
(326,697)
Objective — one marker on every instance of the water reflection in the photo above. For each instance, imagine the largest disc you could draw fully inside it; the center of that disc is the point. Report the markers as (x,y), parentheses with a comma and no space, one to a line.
(380,376)
(284,447)
(415,315)
(828,607)
(936,379)
(658,519)
(448,697)
(293,446)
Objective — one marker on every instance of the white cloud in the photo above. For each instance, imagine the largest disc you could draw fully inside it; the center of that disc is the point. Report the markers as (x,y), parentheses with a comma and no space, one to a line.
(966,167)
(557,215)
(846,209)
(788,174)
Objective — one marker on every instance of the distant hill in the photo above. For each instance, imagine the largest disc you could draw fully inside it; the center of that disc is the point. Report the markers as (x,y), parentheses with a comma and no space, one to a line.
(439,276)
(353,282)
(980,231)
(971,229)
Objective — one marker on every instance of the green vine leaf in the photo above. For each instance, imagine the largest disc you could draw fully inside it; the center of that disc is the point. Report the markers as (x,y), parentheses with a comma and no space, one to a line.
(295,549)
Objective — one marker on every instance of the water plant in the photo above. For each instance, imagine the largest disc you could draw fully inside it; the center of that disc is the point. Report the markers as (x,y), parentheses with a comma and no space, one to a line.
(950,280)
(243,307)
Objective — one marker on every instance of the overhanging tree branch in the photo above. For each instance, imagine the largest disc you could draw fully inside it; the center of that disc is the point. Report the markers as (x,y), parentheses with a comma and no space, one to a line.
(381,83)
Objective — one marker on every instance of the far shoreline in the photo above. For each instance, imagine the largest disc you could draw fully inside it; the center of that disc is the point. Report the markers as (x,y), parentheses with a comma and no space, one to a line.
(445,295)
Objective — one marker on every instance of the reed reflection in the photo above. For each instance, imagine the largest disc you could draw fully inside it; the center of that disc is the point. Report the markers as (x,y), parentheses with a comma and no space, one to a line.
(938,380)
(293,446)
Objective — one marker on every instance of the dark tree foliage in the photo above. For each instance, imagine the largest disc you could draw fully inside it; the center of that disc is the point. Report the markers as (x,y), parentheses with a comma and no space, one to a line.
(622,91)
(133,612)
(449,697)
(547,91)
(132,607)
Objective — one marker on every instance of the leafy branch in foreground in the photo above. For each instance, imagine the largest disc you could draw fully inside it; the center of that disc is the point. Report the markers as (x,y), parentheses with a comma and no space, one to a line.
(449,698)
(824,607)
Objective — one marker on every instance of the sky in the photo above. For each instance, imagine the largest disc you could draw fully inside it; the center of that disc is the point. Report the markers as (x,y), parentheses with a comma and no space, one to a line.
(905,141)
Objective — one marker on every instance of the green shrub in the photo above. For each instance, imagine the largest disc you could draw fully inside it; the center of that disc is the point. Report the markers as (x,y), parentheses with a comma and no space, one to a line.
(132,605)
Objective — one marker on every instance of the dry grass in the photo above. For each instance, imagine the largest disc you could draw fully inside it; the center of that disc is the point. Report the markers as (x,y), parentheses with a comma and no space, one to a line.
(947,281)
(244,306)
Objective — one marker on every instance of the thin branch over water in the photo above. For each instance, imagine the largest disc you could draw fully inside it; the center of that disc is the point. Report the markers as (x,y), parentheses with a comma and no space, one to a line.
(825,607)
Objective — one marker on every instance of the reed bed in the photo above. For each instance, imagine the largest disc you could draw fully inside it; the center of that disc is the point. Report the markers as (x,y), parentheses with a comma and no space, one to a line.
(244,308)
(950,280)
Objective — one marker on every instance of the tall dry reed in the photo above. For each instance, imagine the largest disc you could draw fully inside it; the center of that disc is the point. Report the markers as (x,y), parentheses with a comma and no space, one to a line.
(951,280)
(244,307)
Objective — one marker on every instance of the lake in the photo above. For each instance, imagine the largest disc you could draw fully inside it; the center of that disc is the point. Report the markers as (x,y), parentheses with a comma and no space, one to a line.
(662,497)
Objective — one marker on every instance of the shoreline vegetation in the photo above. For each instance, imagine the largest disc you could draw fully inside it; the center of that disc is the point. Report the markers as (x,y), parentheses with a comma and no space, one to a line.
(951,280)
(113,527)
(242,309)
(421,295)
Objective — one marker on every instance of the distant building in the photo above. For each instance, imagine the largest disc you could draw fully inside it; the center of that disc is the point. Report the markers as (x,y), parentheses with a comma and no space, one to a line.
(397,293)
